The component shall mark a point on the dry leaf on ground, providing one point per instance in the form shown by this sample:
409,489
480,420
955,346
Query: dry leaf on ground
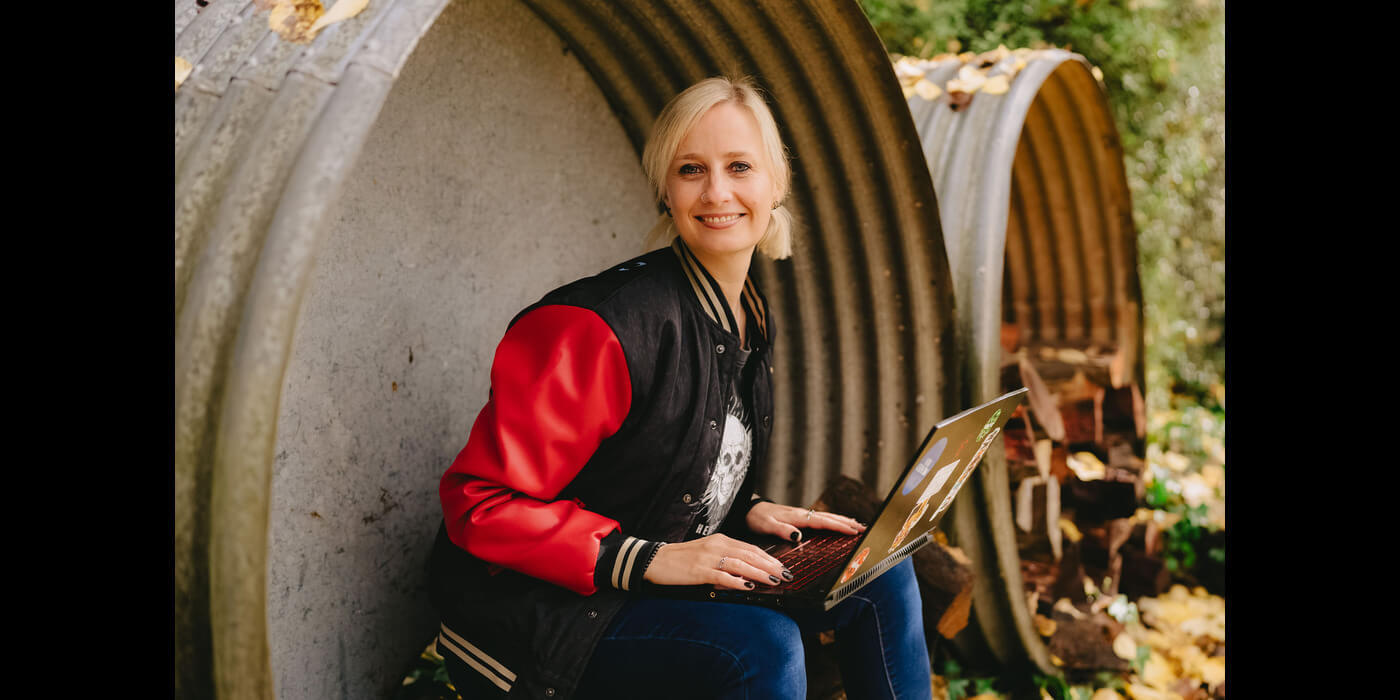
927,90
182,71
1106,694
996,85
341,11
292,19
1124,646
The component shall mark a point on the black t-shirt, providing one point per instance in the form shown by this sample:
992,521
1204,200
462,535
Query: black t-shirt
737,447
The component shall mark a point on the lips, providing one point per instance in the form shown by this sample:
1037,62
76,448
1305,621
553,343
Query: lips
718,219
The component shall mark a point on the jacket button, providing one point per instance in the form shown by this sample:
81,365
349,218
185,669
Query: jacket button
765,421
713,425
549,692
720,348
685,498
592,614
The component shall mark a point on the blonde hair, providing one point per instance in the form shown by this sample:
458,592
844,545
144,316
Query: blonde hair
676,120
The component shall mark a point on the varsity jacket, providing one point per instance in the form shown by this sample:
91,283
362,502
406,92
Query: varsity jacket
603,425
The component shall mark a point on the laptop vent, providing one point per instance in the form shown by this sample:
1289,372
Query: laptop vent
880,568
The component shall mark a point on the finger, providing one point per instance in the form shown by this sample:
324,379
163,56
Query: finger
726,580
780,527
771,569
739,567
825,521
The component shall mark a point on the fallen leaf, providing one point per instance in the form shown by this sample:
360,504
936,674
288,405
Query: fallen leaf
342,10
1044,625
1098,74
182,71
1157,672
971,77
927,90
908,90
1056,660
1086,466
1106,694
1137,691
1070,530
1063,605
1124,646
988,58
292,19
996,85
957,99
1212,670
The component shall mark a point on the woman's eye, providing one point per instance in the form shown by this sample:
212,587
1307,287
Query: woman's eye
740,166
689,169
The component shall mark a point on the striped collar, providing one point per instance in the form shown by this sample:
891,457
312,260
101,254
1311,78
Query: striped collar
711,299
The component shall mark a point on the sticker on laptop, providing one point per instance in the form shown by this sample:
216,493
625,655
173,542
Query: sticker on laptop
966,473
934,484
925,465
860,559
990,422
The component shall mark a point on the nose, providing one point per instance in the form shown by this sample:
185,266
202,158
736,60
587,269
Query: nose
716,188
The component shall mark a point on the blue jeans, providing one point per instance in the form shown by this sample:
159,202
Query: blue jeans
678,648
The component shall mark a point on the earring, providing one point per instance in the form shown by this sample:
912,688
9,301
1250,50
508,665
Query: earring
668,209
777,204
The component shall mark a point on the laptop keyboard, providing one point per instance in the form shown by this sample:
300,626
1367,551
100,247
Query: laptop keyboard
814,557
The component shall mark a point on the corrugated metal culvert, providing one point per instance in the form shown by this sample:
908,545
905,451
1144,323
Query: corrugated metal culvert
358,217
1037,220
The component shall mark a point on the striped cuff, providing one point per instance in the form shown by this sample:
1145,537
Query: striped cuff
622,560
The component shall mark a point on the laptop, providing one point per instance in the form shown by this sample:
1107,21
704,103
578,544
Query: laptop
828,566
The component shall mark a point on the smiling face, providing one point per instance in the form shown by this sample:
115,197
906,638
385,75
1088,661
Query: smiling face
719,185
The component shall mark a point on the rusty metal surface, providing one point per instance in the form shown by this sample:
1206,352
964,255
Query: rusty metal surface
1037,221
267,131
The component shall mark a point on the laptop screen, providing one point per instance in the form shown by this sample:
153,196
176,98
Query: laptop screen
921,496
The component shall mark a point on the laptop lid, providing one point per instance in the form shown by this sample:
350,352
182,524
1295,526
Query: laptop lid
921,495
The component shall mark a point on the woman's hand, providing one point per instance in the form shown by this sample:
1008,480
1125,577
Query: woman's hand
785,521
717,559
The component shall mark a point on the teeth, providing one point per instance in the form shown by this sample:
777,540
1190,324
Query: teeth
719,219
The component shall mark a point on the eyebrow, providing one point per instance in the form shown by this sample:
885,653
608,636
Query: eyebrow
731,154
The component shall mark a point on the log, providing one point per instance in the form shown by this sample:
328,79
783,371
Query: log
1098,500
1086,644
1142,574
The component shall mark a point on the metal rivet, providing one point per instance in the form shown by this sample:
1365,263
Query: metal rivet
765,421
719,348
549,692
713,425
592,614
685,498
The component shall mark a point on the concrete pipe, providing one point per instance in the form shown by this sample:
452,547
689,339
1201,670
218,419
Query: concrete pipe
1037,220
357,218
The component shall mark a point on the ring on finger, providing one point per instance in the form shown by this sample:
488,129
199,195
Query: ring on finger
809,513
721,562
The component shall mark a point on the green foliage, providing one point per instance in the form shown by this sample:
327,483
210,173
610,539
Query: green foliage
1163,64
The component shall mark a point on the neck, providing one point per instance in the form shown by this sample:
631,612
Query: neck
729,272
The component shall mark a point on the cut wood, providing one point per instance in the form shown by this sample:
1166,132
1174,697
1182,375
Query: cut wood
1099,500
1086,644
1044,406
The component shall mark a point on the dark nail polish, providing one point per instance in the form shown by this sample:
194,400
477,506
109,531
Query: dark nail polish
772,578
787,574
796,536
748,584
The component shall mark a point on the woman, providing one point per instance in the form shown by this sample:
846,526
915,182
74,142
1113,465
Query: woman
628,421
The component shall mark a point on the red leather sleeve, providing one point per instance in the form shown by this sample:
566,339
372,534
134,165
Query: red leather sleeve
559,386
